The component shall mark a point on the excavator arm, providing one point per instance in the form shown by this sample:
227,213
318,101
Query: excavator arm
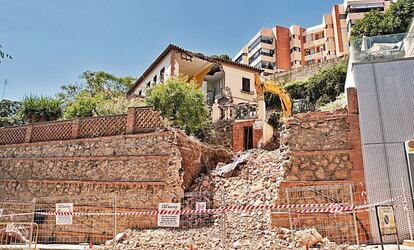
273,87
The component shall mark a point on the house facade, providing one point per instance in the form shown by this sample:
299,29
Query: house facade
218,79
228,86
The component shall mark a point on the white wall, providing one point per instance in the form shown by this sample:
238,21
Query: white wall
233,79
165,63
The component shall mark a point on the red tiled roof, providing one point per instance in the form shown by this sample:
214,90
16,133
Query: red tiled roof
171,47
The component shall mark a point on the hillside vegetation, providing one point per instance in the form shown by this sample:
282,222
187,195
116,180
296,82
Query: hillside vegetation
321,88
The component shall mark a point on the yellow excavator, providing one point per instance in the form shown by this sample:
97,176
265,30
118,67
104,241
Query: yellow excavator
275,88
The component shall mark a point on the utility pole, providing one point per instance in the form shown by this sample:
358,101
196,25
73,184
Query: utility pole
4,88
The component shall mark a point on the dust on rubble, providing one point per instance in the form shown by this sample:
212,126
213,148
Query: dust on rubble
253,181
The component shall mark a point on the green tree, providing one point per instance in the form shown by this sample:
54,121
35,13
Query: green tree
40,109
96,89
181,102
117,105
83,105
395,20
8,111
221,56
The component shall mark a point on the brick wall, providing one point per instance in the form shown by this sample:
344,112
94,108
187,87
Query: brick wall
238,134
283,48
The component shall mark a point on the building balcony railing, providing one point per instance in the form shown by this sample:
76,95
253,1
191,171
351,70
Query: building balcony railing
241,111
313,43
383,48
316,55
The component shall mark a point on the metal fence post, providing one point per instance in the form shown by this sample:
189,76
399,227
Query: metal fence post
351,194
33,222
290,216
407,213
115,215
223,221
34,210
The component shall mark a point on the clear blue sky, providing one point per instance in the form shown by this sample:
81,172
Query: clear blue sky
52,42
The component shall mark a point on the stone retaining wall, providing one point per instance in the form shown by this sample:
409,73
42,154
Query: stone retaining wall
140,170
325,149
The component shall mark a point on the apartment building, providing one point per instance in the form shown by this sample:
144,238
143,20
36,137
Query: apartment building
283,48
356,9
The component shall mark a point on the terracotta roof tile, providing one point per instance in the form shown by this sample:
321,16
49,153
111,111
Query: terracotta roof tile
171,47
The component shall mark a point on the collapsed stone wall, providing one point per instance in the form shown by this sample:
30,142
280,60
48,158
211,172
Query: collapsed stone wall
141,170
223,136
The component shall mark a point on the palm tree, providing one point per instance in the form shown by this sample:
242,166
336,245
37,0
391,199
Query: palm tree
40,108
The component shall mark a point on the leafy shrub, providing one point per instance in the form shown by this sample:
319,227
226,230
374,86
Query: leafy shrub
40,108
181,102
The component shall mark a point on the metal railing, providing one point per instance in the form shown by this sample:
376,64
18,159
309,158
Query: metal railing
18,235
383,48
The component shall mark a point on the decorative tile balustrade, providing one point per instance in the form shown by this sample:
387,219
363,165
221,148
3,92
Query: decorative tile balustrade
137,120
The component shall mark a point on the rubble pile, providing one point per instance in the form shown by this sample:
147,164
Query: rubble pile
250,180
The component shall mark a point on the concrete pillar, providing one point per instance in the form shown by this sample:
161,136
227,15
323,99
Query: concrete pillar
215,112
29,131
130,120
352,100
75,128
261,108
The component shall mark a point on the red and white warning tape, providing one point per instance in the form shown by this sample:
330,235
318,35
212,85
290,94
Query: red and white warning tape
300,208
205,211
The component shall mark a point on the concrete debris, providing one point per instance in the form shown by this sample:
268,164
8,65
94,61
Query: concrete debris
255,181
222,171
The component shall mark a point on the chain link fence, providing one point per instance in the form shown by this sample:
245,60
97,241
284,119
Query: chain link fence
336,214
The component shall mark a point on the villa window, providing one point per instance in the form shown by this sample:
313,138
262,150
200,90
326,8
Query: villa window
245,84
148,84
155,79
162,72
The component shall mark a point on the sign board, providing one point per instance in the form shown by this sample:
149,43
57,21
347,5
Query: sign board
169,220
1,212
201,206
386,220
64,208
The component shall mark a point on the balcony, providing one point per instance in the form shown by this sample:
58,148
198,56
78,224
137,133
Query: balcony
314,43
313,56
383,48
242,111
